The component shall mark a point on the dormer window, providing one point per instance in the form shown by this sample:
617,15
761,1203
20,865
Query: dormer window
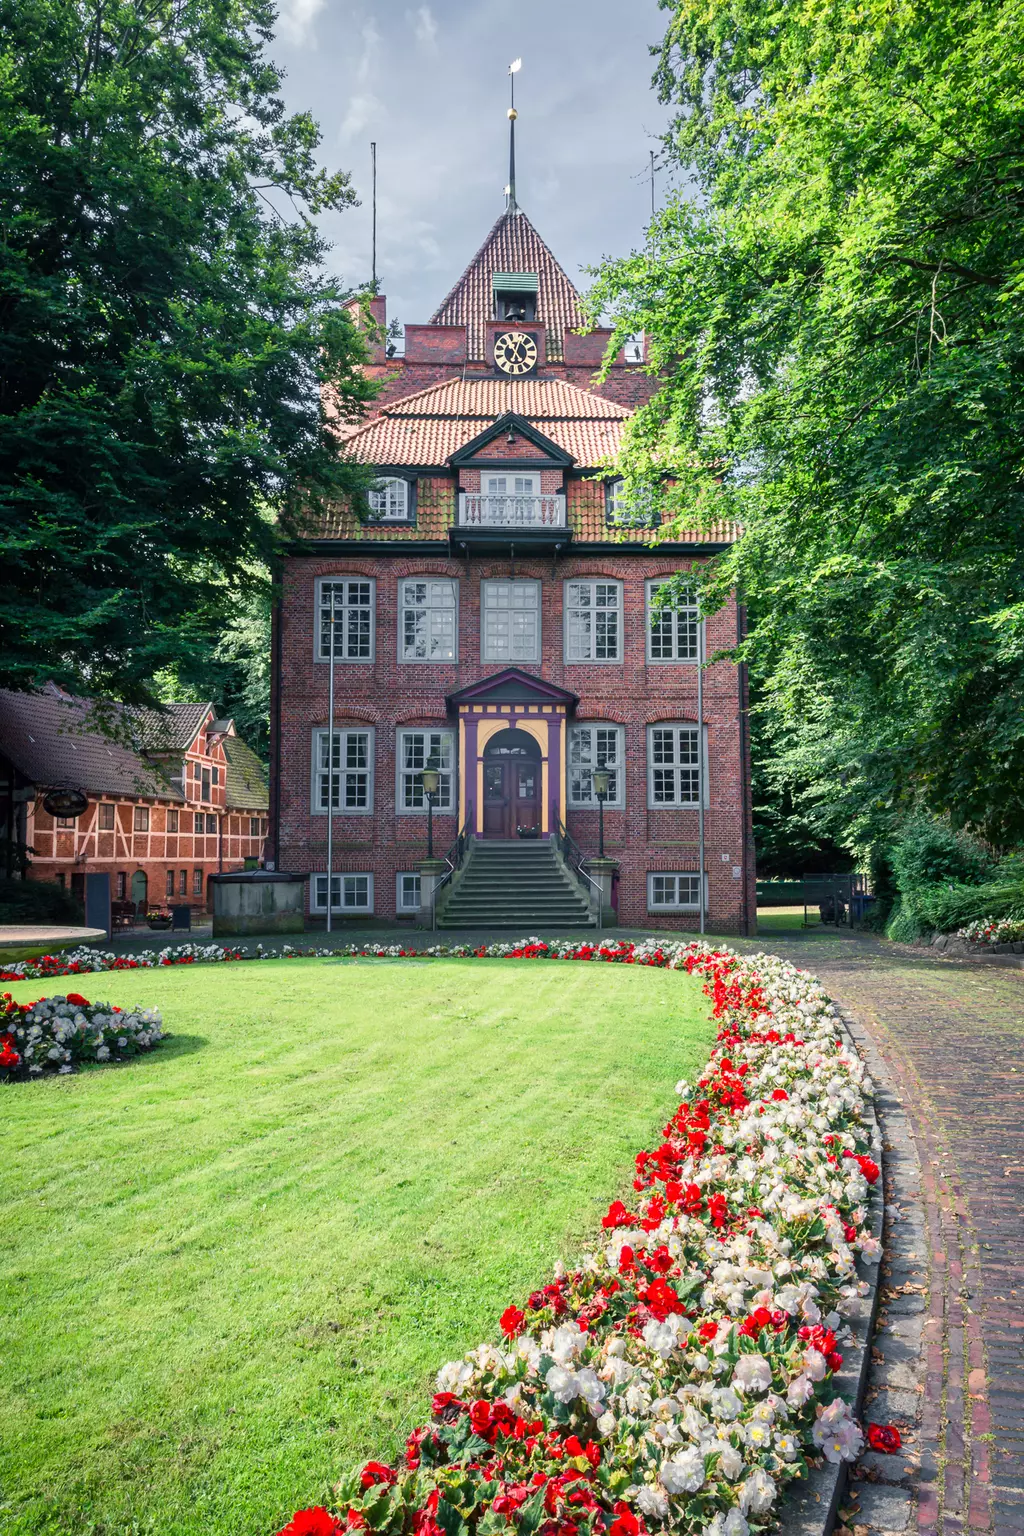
639,510
515,296
389,500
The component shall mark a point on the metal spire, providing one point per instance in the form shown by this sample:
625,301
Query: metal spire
510,191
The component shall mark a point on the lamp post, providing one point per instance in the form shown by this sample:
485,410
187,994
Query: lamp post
431,781
602,782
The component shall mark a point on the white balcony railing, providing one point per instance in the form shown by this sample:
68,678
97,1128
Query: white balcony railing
482,511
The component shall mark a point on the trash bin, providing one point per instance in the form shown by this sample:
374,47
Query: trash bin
181,917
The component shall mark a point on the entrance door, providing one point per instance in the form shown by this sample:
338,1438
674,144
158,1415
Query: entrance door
139,890
512,780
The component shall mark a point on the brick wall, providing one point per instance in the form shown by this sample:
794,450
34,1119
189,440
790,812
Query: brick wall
387,693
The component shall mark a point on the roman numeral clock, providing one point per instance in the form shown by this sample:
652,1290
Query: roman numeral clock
515,352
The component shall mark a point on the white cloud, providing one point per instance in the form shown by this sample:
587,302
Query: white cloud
425,28
364,105
295,20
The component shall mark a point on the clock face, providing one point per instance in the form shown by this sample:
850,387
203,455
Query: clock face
515,352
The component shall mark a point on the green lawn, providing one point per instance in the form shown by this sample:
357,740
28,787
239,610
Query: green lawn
230,1268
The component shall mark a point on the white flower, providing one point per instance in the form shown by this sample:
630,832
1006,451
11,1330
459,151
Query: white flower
752,1374
606,1424
566,1343
562,1384
815,1365
725,1404
799,1391
757,1494
662,1338
454,1375
837,1434
652,1503
735,1525
683,1473
588,1386
730,1461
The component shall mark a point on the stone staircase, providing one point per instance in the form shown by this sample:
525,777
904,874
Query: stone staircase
515,885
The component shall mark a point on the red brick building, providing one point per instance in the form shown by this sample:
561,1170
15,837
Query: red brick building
185,800
494,618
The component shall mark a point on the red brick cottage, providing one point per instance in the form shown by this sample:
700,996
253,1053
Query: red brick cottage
494,620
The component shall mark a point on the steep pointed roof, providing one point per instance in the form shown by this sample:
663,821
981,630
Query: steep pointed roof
513,245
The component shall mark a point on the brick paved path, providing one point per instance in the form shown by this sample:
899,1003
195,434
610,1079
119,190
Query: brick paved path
950,1357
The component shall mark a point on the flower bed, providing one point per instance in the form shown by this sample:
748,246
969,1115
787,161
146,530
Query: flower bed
993,930
58,1034
679,1375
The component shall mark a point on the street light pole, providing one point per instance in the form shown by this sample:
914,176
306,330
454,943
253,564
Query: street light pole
330,766
602,783
431,779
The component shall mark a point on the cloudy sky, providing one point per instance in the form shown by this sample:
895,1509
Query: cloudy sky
429,83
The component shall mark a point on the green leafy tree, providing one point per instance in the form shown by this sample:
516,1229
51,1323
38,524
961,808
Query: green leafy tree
835,298
167,326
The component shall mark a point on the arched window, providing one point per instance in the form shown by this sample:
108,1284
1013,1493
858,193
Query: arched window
389,500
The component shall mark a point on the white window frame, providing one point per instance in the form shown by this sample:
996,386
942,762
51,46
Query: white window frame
575,610
675,766
679,629
445,804
343,884
623,513
320,771
346,634
490,589
595,757
430,608
498,485
390,500
401,905
692,878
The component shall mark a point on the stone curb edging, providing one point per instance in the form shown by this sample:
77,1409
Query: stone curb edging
812,1506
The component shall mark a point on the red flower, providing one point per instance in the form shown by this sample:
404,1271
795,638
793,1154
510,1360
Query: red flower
447,1407
618,1216
512,1320
78,1000
626,1523
376,1472
480,1417
884,1437
778,1094
9,1057
706,1332
312,1522
661,1299
869,1168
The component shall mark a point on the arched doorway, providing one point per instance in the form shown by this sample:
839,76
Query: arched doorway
512,784
139,890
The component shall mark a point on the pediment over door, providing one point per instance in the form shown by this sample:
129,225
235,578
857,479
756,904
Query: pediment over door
513,686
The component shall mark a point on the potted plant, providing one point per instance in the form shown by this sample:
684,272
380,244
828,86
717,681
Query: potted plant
526,832
159,917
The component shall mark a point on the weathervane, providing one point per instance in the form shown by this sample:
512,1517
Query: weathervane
510,190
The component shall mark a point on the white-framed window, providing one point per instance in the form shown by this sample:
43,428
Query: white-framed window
672,633
673,766
352,600
596,746
427,617
349,893
141,822
407,892
106,818
673,892
389,500
593,621
352,772
510,620
417,750
511,485
636,510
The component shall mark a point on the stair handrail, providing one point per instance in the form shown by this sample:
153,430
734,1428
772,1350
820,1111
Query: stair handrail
574,857
454,859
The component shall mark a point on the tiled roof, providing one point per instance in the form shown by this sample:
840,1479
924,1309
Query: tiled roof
50,742
425,429
246,779
513,245
173,728
485,399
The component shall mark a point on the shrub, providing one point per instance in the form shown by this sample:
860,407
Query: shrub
37,901
929,852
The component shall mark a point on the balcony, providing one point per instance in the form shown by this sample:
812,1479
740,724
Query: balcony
529,514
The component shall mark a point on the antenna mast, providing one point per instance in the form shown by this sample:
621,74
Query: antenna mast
373,180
